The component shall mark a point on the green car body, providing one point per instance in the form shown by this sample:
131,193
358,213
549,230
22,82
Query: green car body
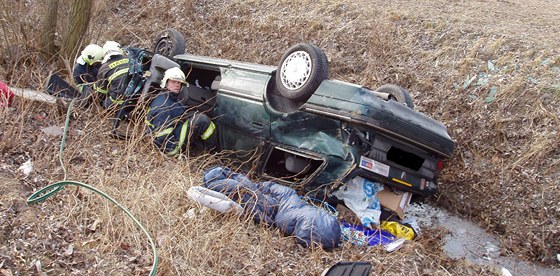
312,140
341,131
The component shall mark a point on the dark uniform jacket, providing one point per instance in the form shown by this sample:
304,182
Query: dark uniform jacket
85,73
173,125
111,79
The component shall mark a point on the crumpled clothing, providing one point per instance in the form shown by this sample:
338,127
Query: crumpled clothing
277,205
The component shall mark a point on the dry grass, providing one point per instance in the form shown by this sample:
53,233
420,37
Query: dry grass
507,149
78,232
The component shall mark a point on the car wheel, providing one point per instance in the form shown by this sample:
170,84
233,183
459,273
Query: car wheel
400,94
300,71
169,42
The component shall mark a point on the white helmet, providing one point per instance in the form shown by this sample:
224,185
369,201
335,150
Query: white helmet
92,53
111,48
174,73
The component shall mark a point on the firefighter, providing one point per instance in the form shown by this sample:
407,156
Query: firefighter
111,79
173,125
85,71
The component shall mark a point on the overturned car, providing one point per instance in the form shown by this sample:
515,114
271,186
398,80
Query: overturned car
292,124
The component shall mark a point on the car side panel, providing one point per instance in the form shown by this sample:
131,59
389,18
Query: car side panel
242,121
319,134
308,131
354,103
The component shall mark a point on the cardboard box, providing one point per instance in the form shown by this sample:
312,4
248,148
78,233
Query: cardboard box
395,201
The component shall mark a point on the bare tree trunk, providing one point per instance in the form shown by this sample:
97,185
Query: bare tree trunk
80,14
48,31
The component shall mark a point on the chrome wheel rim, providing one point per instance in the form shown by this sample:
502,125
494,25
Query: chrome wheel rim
296,70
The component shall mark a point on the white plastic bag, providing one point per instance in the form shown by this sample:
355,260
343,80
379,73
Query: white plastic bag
359,194
26,167
214,200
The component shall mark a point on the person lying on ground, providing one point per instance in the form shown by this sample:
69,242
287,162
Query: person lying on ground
174,126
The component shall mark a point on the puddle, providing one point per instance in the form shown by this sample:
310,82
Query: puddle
467,240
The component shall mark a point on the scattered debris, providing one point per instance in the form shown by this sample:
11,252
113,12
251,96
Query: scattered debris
394,245
225,191
26,167
491,66
214,200
363,236
394,200
53,131
190,214
482,79
398,230
359,194
34,95
348,269
69,250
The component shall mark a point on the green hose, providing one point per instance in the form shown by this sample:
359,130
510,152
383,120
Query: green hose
52,189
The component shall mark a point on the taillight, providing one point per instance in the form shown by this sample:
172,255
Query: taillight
439,165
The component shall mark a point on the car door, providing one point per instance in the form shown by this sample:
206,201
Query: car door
243,123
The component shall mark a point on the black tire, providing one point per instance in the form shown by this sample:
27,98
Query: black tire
301,83
169,42
399,93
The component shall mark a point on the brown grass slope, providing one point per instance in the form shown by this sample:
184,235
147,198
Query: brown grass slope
451,55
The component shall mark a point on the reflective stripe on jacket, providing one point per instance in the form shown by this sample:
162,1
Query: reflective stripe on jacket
173,128
163,120
111,77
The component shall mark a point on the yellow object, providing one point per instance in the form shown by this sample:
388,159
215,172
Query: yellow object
402,182
398,229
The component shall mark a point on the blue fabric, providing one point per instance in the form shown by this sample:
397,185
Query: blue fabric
360,235
85,73
164,111
167,111
240,189
274,204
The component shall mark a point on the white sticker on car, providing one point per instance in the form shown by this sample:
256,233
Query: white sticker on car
374,166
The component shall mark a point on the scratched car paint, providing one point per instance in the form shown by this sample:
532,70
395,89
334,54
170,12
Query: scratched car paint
291,124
